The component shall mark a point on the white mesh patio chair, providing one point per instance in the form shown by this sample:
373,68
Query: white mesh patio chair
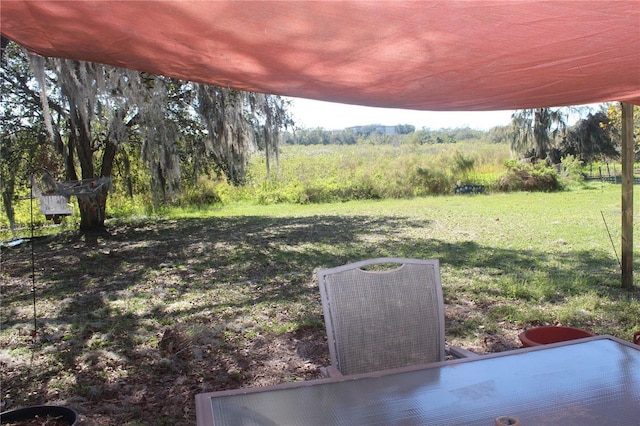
379,318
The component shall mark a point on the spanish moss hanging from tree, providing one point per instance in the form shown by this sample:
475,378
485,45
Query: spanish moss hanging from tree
91,111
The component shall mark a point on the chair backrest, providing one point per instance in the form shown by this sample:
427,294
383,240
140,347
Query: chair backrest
378,319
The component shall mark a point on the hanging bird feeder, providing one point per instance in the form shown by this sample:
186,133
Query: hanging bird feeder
55,207
54,196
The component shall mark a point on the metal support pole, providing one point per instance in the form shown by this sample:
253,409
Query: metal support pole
627,196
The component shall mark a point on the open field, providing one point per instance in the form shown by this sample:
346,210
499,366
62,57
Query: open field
312,174
133,323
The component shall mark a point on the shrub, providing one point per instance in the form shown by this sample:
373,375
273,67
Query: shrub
123,206
204,193
528,177
571,171
435,181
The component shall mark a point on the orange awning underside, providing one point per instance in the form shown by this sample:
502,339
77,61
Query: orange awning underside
435,55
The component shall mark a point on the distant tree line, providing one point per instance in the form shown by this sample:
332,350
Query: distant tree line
376,134
540,134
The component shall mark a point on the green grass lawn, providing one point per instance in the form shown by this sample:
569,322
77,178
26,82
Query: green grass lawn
541,254
133,324
510,260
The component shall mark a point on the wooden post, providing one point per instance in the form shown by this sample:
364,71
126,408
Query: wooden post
627,196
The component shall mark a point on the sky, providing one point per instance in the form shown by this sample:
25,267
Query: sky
309,113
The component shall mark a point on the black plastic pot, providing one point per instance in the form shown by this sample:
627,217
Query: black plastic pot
29,413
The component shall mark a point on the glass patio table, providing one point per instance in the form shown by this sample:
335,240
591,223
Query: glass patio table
591,381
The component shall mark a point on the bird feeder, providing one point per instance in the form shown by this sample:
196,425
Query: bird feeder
55,207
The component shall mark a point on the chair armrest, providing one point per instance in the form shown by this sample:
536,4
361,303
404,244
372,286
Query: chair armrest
457,352
330,371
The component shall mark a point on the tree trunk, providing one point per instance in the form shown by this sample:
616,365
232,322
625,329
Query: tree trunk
8,205
7,186
127,172
92,210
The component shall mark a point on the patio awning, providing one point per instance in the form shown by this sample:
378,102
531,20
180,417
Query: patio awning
435,55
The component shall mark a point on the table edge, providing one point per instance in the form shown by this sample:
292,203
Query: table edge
204,414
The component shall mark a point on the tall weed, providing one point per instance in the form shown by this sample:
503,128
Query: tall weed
328,173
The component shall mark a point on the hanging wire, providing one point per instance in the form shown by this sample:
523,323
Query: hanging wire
611,239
